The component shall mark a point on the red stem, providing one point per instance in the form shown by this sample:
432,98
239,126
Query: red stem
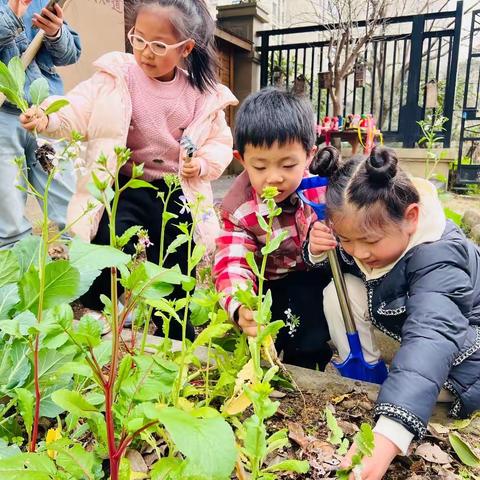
109,386
33,444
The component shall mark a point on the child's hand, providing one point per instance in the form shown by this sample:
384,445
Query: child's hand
246,321
191,168
34,119
374,467
49,22
321,239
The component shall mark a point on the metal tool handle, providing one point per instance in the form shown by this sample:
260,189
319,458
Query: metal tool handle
341,289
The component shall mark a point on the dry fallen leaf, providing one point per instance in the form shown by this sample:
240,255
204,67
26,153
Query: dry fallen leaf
296,433
438,429
137,463
433,453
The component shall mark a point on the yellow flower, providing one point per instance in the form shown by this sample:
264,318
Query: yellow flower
53,434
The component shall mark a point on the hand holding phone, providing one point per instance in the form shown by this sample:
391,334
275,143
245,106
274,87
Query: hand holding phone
50,19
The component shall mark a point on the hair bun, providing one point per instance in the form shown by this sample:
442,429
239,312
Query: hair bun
326,162
381,166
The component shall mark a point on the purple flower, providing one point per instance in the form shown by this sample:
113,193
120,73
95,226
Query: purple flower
184,205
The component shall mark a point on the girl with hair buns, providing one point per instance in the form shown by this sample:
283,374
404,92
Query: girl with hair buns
412,274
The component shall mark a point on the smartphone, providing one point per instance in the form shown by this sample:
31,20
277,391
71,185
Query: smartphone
51,4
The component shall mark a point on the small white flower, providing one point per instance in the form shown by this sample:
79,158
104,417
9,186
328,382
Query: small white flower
184,204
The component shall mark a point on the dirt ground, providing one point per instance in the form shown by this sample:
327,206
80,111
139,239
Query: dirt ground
433,458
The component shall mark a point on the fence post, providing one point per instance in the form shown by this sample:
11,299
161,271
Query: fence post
409,114
450,89
264,59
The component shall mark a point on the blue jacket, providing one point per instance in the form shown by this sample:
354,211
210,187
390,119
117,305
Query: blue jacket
430,302
16,34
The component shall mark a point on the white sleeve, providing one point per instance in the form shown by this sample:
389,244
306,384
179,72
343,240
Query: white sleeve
316,258
395,432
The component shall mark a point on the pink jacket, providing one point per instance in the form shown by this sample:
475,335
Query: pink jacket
100,109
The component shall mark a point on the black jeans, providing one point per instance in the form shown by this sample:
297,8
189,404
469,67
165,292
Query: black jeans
301,293
141,206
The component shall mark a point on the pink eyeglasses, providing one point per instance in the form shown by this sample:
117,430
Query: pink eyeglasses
157,47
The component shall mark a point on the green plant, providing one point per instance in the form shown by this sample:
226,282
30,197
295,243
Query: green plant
12,84
254,385
364,442
431,127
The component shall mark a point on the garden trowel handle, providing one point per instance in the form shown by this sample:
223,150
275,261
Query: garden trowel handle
31,52
341,289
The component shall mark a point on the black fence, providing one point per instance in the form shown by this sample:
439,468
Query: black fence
468,168
413,55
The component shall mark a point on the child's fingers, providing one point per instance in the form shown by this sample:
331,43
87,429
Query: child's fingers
321,227
323,238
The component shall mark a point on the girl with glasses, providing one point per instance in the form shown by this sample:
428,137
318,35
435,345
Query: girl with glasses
151,102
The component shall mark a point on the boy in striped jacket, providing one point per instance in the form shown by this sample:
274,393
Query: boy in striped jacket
275,142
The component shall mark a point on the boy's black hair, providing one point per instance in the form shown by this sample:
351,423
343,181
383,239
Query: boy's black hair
272,115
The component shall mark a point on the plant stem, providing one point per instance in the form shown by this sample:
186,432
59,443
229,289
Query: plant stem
178,386
110,385
41,267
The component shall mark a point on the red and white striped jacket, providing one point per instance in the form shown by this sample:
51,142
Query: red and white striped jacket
241,233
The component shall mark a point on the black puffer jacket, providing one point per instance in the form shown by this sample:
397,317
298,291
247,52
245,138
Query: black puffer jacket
430,302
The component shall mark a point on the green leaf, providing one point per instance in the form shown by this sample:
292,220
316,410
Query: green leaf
15,99
39,90
135,183
27,251
20,325
9,268
453,216
91,259
152,378
464,451
8,299
125,471
73,459
275,243
212,331
197,255
262,222
180,240
8,450
250,257
74,403
343,448
365,440
20,367
6,78
167,468
255,437
296,466
31,466
200,440
15,66
336,433
127,236
56,106
26,402
61,285
271,329
89,331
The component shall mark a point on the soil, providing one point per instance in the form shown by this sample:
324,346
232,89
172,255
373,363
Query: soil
308,434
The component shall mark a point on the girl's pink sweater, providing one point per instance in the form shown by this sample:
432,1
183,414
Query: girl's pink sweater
161,111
